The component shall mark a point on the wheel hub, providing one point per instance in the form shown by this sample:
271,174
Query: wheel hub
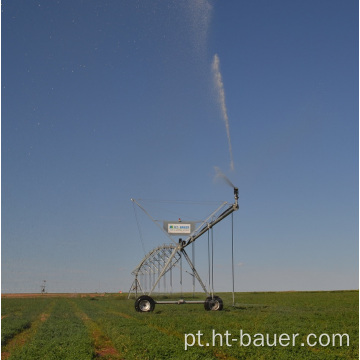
144,305
215,305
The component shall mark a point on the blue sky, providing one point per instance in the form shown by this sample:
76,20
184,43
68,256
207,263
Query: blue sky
103,101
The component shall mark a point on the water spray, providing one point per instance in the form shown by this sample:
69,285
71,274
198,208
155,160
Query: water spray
220,174
221,97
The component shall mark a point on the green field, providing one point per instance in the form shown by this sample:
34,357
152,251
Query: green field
108,327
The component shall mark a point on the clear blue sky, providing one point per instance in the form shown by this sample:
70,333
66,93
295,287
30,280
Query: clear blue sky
107,100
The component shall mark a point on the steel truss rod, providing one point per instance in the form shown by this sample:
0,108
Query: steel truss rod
194,270
152,262
138,284
176,249
134,286
222,216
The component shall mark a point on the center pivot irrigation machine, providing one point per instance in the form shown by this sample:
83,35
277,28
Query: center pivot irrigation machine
162,260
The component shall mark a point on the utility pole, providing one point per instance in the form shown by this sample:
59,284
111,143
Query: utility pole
43,287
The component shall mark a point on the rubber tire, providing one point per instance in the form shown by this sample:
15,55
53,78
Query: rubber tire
144,303
215,304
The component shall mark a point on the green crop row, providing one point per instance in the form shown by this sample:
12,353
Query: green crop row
130,333
19,314
61,336
160,335
68,333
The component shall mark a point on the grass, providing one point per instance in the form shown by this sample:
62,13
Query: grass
108,327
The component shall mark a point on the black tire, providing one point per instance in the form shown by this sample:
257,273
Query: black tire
213,304
144,303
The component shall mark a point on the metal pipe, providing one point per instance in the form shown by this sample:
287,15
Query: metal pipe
180,302
222,216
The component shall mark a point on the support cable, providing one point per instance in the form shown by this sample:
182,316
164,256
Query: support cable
139,229
232,258
212,262
153,220
171,288
209,265
181,284
193,261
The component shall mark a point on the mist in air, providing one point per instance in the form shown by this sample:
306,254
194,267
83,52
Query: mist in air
220,175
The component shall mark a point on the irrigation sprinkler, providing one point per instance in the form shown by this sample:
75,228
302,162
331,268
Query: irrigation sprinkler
161,261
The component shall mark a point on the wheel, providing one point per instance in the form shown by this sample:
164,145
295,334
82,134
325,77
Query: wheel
144,303
213,304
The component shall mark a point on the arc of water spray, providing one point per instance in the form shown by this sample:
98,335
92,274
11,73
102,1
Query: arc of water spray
220,174
221,97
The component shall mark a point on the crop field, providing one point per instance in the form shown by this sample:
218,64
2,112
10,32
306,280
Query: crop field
287,325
